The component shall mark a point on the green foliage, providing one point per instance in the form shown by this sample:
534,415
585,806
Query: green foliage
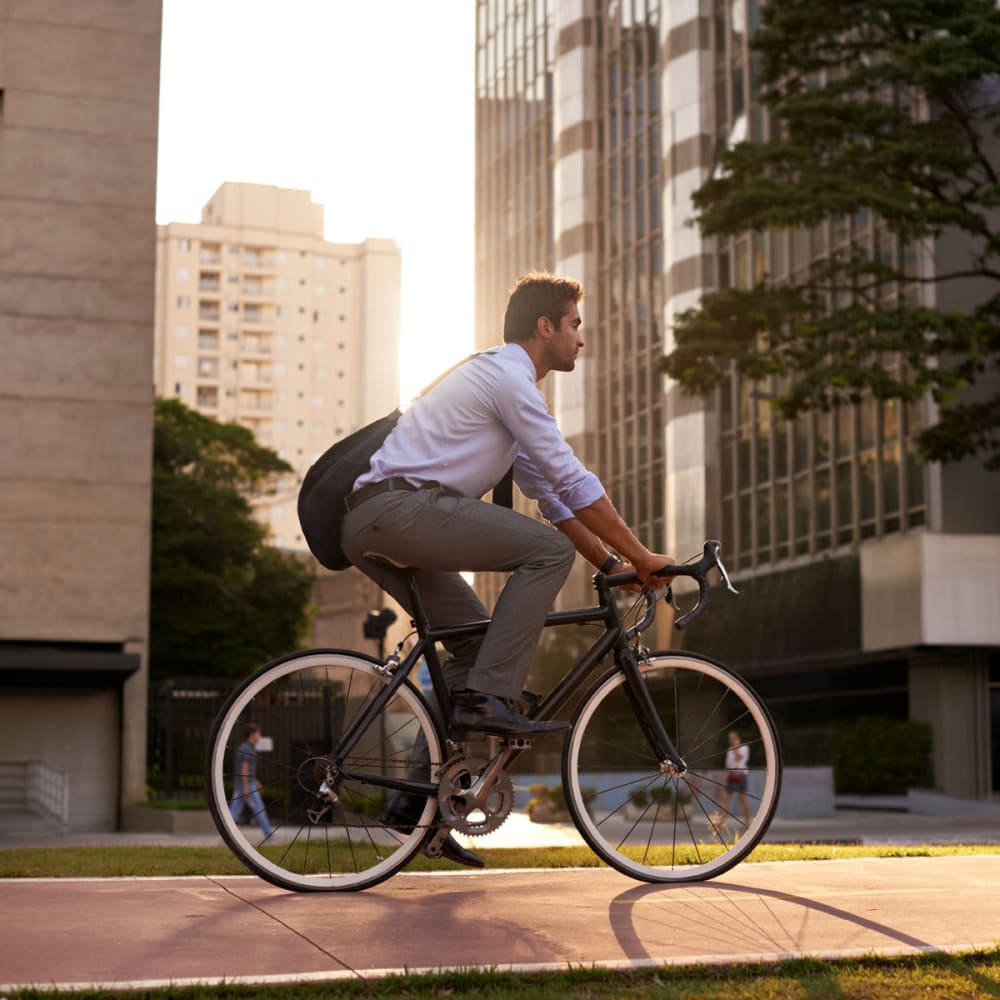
222,600
847,88
879,756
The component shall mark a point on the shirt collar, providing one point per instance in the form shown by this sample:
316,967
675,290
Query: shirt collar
521,357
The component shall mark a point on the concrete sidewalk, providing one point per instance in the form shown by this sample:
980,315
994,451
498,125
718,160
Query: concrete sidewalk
143,933
846,826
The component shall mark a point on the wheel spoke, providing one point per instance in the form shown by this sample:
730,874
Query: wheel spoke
660,828
326,834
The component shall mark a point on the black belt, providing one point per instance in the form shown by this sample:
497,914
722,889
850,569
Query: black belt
382,486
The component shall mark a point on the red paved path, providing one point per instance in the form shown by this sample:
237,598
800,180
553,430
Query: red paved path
149,931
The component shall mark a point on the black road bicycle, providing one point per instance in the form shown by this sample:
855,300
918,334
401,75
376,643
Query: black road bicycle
644,767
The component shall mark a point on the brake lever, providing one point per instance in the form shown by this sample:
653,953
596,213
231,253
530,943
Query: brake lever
725,576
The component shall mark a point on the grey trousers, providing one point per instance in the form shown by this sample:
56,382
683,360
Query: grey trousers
441,534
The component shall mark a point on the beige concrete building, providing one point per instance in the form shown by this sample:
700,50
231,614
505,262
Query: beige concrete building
870,579
79,87
263,322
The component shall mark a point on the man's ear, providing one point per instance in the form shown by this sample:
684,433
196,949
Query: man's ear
544,328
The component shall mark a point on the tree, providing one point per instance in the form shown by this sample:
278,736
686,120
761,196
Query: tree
890,108
222,601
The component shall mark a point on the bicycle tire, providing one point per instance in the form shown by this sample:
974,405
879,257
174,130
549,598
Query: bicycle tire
658,828
303,702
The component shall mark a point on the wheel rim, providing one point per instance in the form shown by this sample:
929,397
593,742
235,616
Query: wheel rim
303,704
653,826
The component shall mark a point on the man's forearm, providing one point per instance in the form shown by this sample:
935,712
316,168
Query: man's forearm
603,521
587,543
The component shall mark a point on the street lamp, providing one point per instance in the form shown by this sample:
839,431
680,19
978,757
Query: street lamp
375,626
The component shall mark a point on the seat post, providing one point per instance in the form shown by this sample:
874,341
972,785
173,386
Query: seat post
419,614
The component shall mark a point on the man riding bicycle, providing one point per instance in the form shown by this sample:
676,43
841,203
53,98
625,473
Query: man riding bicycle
419,506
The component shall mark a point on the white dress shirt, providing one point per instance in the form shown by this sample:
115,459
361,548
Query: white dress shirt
468,430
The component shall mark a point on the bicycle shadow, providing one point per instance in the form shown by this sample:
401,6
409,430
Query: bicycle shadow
744,922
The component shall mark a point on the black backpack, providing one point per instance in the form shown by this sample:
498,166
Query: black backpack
330,480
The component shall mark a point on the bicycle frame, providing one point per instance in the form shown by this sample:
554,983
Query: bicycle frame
613,637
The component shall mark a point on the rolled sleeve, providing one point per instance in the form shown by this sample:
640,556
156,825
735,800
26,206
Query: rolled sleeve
546,469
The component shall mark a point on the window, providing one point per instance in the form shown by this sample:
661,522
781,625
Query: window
181,361
181,330
208,396
183,301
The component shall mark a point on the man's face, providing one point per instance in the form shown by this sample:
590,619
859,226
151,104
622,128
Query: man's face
566,341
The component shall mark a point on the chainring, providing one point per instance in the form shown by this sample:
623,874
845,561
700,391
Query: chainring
456,777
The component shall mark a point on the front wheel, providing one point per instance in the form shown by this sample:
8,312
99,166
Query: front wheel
659,827
311,826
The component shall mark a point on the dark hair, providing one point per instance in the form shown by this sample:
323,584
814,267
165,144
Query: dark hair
251,728
534,295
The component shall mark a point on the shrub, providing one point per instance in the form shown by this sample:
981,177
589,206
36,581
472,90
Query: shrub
880,756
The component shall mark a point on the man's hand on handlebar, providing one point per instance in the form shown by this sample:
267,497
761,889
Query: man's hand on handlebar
647,567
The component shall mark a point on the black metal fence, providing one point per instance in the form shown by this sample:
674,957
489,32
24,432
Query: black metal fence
181,713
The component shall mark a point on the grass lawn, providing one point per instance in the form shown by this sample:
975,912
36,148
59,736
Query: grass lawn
927,977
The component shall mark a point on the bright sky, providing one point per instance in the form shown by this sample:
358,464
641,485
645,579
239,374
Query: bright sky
369,105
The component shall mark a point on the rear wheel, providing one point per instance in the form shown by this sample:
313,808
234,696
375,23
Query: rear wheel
326,833
661,828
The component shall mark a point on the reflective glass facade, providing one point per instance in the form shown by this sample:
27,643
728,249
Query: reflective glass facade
629,340
828,479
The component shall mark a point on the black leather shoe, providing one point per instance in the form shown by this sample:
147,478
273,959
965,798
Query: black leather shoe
402,812
476,712
452,850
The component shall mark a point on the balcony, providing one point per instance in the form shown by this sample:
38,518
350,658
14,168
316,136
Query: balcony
208,312
256,345
209,283
255,316
254,288
258,261
210,257
256,402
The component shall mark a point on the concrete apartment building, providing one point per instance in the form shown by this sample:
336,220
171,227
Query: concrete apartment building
870,579
79,90
262,322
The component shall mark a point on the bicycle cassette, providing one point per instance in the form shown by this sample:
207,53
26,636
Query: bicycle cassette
474,819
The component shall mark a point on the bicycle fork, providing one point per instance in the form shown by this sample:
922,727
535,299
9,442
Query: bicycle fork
672,765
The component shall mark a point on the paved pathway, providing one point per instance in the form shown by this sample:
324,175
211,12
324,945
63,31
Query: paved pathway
147,932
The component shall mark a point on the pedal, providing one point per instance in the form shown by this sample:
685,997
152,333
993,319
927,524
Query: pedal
515,743
433,846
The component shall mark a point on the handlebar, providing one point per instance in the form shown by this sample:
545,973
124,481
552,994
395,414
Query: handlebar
698,571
